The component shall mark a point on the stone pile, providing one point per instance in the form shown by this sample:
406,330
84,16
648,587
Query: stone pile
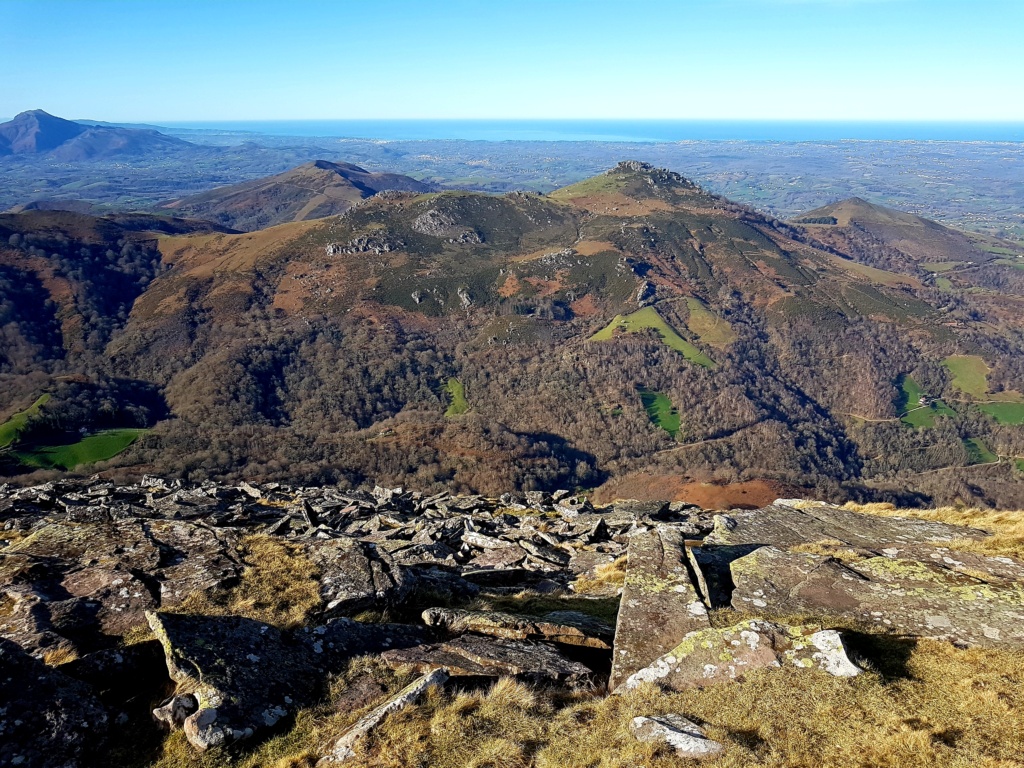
87,568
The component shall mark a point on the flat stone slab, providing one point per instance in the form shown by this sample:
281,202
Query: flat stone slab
956,601
683,735
356,575
337,641
565,627
713,655
46,718
475,656
785,526
659,604
83,585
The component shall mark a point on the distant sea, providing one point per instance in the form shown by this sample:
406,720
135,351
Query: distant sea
616,130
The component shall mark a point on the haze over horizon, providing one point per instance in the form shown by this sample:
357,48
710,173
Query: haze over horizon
814,60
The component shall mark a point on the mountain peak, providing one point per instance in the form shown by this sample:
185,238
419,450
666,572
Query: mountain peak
36,131
312,190
327,165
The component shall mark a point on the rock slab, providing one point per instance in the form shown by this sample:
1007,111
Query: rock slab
716,655
659,604
960,597
47,720
564,627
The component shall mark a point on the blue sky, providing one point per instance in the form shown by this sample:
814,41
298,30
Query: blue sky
158,60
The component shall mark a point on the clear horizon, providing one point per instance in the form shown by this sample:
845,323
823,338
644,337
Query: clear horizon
867,61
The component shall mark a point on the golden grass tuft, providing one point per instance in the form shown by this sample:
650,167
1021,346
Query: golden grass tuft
279,586
60,655
1006,526
607,578
832,548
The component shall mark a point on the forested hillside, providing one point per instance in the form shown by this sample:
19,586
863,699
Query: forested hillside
627,329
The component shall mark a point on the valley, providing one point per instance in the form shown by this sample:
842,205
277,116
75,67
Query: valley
482,342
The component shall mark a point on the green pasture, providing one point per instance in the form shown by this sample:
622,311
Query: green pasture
648,317
457,393
661,411
99,447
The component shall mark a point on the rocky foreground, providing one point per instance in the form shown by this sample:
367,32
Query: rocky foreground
223,611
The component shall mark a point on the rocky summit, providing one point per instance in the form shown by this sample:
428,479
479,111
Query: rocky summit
222,612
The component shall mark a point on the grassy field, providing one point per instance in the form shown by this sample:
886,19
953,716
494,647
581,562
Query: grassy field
99,447
910,394
909,406
1005,413
596,185
925,417
874,274
970,374
940,266
978,452
457,392
648,317
11,428
707,325
661,411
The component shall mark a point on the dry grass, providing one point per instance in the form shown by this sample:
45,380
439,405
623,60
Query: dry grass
607,578
1006,526
921,705
60,655
278,586
832,548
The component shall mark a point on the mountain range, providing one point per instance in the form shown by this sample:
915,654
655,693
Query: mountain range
632,333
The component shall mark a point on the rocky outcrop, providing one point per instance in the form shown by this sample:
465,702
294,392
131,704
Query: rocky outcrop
88,565
938,596
47,720
712,655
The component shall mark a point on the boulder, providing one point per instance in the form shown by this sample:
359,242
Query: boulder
684,736
565,627
245,675
659,602
969,605
47,720
710,656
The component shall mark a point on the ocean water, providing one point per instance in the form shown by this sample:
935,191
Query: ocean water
617,130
